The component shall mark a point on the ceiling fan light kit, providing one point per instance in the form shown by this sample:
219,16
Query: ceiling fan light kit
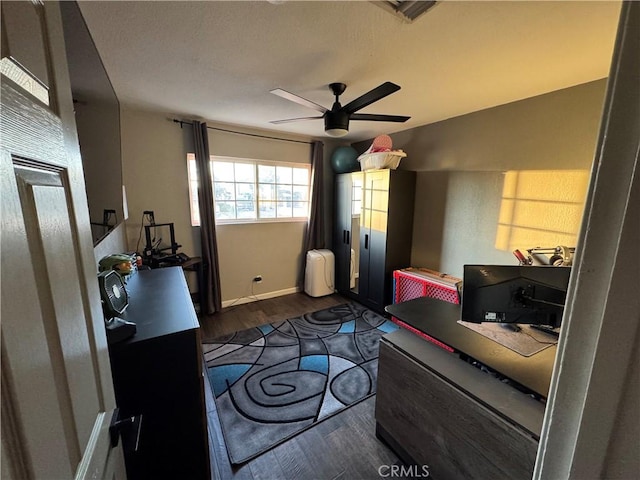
336,132
336,120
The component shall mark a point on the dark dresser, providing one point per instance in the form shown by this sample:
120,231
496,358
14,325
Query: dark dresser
158,374
435,409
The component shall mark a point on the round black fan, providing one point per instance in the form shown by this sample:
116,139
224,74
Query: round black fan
336,120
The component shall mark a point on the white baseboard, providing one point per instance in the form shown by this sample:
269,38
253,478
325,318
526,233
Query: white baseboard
260,296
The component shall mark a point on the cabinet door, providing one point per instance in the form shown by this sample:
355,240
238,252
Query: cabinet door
346,244
355,222
373,236
340,245
341,248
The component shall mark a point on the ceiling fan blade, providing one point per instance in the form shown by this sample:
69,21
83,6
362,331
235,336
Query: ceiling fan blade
387,88
299,100
379,118
290,120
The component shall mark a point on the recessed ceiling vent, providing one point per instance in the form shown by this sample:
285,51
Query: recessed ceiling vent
408,10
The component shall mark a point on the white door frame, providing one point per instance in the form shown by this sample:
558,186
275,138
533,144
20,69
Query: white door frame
592,427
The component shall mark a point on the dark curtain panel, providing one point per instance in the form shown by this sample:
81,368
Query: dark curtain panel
212,298
315,227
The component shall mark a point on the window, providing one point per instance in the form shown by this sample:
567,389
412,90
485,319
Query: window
248,191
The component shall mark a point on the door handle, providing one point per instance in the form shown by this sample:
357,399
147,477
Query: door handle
344,236
348,237
366,241
128,428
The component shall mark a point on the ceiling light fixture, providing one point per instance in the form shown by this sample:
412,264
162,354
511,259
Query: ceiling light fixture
336,132
336,122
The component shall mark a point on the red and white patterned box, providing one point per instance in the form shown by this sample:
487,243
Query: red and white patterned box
410,283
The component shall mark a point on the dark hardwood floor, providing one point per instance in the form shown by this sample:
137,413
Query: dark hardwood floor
247,315
341,447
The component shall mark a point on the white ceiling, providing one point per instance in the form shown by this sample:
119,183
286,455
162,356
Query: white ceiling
218,60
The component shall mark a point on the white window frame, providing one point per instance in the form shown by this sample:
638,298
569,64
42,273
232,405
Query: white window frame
193,190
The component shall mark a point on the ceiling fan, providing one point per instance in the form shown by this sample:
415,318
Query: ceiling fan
336,120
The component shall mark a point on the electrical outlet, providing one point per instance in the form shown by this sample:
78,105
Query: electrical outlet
257,278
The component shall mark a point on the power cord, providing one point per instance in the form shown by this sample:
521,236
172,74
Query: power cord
151,220
140,234
542,342
253,296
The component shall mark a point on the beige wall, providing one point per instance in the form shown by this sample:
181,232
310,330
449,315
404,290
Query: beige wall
461,161
471,217
99,136
155,175
97,112
273,250
556,130
115,242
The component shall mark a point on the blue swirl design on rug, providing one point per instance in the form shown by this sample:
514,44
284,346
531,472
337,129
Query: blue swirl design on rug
274,381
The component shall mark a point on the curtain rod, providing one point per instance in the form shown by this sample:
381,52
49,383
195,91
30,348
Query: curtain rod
181,122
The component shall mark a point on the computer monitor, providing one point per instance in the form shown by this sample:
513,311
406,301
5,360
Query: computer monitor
514,294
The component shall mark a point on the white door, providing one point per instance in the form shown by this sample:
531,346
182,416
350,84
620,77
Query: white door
57,393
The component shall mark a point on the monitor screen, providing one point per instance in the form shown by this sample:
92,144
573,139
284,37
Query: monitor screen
514,294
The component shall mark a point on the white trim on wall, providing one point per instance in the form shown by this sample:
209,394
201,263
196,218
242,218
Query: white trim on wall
260,296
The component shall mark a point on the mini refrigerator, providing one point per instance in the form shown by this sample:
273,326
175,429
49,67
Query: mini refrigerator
319,273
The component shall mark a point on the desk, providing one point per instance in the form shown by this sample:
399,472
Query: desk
194,264
438,319
434,409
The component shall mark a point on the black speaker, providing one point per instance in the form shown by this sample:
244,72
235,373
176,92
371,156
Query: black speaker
113,293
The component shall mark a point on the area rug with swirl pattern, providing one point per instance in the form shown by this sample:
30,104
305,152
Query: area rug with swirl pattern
273,381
